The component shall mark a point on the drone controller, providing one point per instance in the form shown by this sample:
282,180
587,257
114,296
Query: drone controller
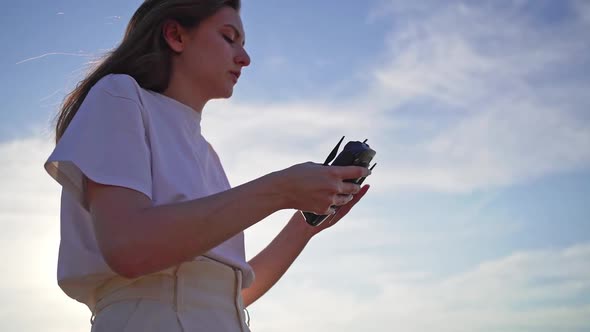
354,154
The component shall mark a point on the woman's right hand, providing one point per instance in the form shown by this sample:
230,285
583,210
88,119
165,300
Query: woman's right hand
312,187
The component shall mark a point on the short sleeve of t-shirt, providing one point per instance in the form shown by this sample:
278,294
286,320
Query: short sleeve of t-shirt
106,142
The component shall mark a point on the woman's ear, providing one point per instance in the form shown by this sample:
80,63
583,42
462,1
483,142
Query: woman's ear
175,35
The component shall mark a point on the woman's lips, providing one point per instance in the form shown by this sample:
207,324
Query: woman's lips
236,75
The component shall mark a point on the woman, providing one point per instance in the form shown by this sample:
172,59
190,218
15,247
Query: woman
151,231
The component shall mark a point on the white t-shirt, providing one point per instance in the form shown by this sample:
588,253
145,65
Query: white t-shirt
127,136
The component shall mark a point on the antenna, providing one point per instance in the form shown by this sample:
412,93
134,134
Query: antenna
333,153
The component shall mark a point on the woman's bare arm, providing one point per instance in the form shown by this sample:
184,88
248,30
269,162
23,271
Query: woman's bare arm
273,261
137,238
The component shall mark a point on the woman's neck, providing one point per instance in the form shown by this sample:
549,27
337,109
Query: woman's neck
180,89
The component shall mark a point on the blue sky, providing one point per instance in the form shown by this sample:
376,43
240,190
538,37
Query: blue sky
478,216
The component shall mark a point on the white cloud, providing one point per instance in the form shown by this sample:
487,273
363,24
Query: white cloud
582,8
508,125
332,287
526,291
276,61
29,217
266,138
491,69
467,97
498,146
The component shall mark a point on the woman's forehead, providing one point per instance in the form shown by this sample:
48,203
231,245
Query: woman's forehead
228,16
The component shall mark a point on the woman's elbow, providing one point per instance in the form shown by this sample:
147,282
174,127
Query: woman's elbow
122,264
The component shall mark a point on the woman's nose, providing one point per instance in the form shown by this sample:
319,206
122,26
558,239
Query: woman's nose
243,59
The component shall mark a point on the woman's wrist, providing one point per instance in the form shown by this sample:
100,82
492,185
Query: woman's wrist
300,226
278,189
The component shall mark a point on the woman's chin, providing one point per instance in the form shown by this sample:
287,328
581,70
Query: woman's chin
222,93
226,94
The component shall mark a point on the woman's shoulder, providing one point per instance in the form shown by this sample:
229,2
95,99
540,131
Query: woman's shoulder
120,85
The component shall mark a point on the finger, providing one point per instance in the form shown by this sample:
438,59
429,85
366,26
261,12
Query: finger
350,172
360,194
331,211
342,199
356,198
343,210
348,188
362,191
331,220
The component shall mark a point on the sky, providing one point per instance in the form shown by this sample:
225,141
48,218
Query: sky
478,216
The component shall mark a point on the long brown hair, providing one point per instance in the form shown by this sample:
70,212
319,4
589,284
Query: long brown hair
143,53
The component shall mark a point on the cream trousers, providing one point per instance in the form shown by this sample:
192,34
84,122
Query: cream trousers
200,295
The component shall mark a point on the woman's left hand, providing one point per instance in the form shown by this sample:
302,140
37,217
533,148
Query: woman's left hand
341,211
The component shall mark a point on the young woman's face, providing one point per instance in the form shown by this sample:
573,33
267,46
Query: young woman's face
215,55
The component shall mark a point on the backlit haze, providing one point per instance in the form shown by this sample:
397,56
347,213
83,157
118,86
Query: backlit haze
478,216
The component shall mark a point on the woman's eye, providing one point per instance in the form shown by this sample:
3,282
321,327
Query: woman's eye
228,39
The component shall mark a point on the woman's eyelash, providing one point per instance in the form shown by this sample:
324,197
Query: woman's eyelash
228,39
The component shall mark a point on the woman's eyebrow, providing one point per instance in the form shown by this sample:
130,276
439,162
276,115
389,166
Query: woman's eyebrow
238,34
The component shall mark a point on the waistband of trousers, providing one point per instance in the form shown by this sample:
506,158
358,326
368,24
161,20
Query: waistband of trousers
206,277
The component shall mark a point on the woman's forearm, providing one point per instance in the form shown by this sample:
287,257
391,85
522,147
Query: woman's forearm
272,262
162,236
137,238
